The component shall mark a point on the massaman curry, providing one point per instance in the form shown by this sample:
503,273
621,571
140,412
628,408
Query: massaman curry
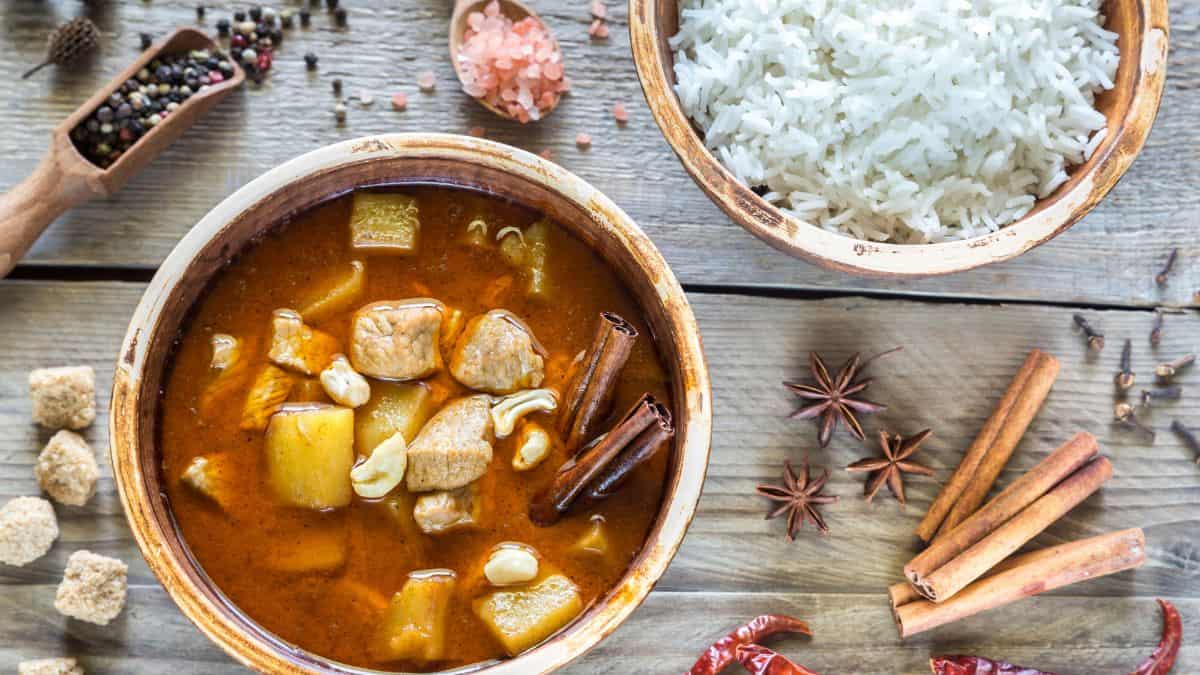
415,428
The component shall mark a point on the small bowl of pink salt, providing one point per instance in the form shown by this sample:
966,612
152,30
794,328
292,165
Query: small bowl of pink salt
507,59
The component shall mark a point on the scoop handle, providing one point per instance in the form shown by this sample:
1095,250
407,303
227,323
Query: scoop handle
31,205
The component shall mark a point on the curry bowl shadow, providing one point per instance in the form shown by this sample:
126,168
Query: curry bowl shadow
314,178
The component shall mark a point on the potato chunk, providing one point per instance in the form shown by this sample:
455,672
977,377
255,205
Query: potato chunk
337,294
385,222
524,616
310,450
414,626
297,347
397,340
308,551
270,390
448,510
394,407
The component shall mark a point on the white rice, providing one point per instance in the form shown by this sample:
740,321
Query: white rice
897,120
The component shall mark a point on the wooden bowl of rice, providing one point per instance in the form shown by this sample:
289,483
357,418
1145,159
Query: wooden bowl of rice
1129,109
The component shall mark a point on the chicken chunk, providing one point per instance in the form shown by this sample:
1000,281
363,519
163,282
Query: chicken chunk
448,510
497,353
453,448
297,347
397,340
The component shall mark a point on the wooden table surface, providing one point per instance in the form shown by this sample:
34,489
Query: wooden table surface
760,313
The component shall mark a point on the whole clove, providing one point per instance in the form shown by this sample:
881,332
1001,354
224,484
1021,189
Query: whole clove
1161,277
1166,371
1095,339
1156,329
1124,415
1171,393
1125,378
1188,437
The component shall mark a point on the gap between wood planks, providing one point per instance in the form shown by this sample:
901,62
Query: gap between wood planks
93,273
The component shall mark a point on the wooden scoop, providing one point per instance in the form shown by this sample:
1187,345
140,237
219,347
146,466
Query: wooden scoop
65,178
513,9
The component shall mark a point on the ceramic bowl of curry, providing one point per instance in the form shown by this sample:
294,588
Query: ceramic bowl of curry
411,403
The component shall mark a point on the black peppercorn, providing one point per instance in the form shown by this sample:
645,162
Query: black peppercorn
239,17
256,13
310,60
337,86
223,27
287,18
305,17
146,39
340,17
331,4
200,12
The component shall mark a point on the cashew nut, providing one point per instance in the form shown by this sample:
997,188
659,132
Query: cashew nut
344,384
507,411
380,473
511,563
533,446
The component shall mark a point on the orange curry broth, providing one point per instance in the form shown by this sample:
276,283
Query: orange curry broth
335,614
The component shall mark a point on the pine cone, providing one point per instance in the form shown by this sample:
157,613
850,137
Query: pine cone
68,43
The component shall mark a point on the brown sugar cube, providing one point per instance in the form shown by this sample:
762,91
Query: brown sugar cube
67,469
93,588
63,398
28,529
50,667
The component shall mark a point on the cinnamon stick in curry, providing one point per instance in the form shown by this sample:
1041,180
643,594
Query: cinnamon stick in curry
1060,464
1028,575
639,432
645,446
942,583
991,449
588,396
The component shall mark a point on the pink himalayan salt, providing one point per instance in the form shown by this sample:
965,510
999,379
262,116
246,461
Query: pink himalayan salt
619,112
515,67
598,30
477,132
399,101
599,10
583,140
427,81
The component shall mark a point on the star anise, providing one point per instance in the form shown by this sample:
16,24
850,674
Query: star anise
834,398
798,498
893,465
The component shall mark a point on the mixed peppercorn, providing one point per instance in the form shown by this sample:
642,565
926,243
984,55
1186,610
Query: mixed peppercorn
142,102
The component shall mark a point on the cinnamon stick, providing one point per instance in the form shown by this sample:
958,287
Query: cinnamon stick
588,396
1025,576
1060,464
948,579
990,450
639,451
639,431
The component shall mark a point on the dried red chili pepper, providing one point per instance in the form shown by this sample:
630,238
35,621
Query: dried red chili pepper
977,665
1163,658
762,661
723,652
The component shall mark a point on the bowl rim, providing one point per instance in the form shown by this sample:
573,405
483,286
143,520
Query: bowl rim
876,259
183,579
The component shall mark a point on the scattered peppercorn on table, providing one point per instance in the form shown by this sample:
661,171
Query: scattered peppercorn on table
760,314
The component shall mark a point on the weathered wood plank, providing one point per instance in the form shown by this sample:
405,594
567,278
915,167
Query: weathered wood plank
957,358
1110,258
1089,635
